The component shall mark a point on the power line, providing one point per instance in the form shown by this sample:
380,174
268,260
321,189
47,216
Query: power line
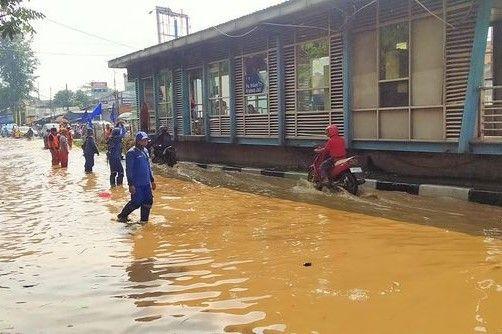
88,33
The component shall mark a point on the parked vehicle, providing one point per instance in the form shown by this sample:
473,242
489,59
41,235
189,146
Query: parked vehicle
346,173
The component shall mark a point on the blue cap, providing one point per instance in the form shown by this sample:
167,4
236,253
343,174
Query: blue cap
141,135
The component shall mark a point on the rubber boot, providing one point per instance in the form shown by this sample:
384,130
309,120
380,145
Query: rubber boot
145,213
126,211
112,179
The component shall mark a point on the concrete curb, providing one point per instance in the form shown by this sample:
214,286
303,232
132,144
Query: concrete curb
427,190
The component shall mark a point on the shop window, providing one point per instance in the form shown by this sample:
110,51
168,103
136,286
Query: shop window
394,65
256,84
313,79
164,95
219,89
196,108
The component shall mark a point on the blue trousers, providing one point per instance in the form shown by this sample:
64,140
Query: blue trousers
116,171
142,198
89,162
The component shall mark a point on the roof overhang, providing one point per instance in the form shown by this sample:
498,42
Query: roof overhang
246,22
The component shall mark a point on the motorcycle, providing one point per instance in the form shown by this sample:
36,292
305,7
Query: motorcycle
164,155
345,173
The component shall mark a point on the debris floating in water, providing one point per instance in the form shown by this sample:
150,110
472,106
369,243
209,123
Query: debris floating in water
307,264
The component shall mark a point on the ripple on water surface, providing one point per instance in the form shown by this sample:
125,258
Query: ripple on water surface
228,252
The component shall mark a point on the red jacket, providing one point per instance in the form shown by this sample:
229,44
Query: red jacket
335,144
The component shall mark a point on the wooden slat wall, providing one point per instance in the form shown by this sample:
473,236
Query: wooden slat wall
336,54
239,96
290,90
459,42
273,101
178,100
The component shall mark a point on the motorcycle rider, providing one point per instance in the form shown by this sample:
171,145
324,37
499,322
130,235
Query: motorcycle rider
334,149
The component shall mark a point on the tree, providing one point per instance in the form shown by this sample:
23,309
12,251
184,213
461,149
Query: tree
15,18
17,64
81,99
64,98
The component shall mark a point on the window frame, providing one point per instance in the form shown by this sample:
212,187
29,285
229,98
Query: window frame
220,96
189,72
410,18
169,92
257,97
327,88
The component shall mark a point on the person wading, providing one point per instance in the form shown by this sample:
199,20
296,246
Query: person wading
140,180
90,148
64,148
53,143
114,155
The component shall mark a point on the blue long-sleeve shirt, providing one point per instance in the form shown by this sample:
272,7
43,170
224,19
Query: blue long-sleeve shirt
138,170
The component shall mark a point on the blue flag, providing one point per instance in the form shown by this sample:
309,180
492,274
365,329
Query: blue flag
87,118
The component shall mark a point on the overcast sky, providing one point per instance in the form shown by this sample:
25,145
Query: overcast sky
70,57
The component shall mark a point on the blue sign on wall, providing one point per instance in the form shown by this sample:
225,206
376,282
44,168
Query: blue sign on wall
254,84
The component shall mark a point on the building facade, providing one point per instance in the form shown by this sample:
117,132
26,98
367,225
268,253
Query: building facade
393,75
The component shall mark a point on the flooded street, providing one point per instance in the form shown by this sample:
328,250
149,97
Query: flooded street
236,253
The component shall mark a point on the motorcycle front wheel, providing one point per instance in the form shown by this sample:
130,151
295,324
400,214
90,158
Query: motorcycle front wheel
348,182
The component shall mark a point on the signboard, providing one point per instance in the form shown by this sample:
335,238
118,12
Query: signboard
254,84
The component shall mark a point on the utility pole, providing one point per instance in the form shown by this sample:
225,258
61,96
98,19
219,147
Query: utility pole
67,98
50,101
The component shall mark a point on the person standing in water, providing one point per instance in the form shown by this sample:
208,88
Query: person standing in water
114,155
53,144
90,148
64,148
140,180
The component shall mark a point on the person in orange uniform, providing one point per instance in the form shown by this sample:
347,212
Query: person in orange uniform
335,149
53,143
64,148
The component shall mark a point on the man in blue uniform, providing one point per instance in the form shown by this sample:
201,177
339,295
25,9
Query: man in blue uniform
140,180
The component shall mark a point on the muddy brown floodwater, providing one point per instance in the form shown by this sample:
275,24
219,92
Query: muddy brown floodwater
236,253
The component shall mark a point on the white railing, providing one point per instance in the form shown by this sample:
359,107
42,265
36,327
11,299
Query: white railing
490,120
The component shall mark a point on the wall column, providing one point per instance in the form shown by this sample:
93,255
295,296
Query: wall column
233,117
186,101
476,73
281,101
347,89
205,101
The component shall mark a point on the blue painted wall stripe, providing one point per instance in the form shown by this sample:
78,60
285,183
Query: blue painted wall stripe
475,80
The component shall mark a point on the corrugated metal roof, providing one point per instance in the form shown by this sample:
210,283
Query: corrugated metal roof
244,22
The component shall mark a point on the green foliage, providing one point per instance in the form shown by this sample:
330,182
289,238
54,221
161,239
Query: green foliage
81,99
17,64
15,19
63,98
